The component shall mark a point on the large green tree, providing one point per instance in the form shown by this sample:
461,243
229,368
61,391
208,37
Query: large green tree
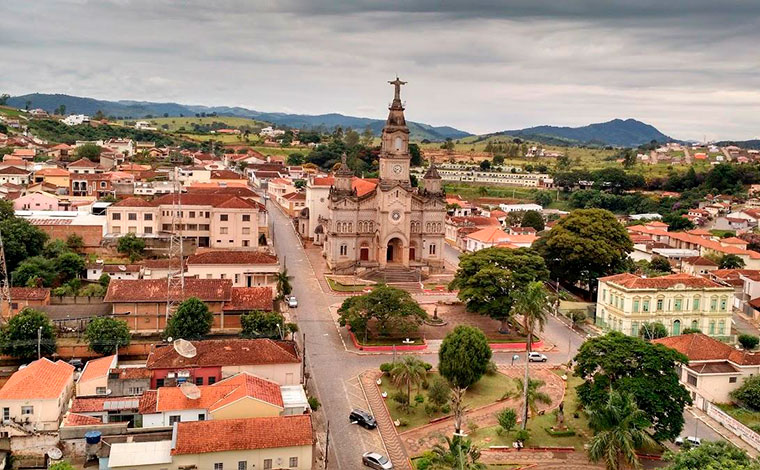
258,324
533,219
192,320
131,246
718,455
390,308
459,453
89,151
408,372
34,271
645,370
462,360
748,393
489,279
620,428
731,262
69,266
105,335
586,245
21,240
19,335
283,284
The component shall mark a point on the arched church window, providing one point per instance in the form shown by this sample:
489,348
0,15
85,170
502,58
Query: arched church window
399,143
350,227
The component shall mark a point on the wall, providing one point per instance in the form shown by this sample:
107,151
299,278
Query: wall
283,374
261,274
92,235
254,458
203,372
154,420
746,434
247,408
89,387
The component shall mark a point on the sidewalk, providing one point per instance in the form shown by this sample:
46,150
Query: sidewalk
725,433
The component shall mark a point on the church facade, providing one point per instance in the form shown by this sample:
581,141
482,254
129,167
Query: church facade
392,225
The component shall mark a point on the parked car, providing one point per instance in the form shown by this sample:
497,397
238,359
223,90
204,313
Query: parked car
362,418
537,357
77,363
694,441
376,461
292,301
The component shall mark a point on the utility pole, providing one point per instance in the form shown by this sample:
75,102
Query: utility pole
5,282
39,343
303,361
327,444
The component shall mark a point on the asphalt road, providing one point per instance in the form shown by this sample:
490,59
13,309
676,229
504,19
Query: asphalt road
334,370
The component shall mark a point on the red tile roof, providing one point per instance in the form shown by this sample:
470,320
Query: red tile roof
699,261
83,163
245,299
96,368
52,172
200,437
131,373
98,404
74,419
12,170
248,385
154,290
29,293
631,281
700,347
225,175
42,379
133,202
231,257
225,352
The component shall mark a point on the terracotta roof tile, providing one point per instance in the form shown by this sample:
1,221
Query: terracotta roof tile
245,299
42,379
97,404
225,352
699,261
154,290
248,385
131,373
231,257
133,202
96,368
200,437
12,170
631,281
83,163
29,293
148,402
74,419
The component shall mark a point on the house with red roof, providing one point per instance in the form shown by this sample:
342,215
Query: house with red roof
245,268
627,302
457,228
250,443
214,360
495,236
23,297
94,377
714,370
35,397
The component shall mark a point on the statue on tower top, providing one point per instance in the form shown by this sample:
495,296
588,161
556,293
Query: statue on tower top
397,83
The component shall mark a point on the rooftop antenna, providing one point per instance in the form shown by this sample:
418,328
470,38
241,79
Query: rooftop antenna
175,279
185,348
190,390
5,285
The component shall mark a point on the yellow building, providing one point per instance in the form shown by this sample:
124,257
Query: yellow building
678,301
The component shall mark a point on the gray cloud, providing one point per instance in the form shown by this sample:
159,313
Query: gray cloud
689,67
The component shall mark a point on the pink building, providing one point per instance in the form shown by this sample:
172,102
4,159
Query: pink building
39,201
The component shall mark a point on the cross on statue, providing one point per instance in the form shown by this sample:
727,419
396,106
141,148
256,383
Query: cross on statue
397,83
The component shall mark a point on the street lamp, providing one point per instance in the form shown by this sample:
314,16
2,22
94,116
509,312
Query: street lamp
515,357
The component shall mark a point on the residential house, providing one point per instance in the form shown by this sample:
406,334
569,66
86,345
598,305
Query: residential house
40,201
23,297
733,278
114,271
698,265
35,397
293,203
24,154
457,228
278,188
84,166
493,236
57,177
626,302
104,410
14,175
247,443
142,302
311,226
214,360
94,377
245,268
128,381
159,268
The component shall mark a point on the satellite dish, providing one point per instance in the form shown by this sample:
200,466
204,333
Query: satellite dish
184,348
55,453
190,390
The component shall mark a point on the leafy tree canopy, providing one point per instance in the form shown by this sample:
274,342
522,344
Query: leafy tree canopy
131,246
390,307
258,324
19,336
34,272
654,330
192,320
89,151
533,219
21,240
103,334
731,262
718,455
645,370
464,356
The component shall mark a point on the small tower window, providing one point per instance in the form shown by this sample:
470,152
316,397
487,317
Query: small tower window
399,143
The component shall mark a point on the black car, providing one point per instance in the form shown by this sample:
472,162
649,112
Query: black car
362,418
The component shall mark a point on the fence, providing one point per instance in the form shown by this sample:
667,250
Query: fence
746,434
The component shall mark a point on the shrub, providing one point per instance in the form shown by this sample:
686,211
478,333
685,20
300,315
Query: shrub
507,419
748,342
446,409
425,385
439,392
472,426
522,435
431,409
560,432
386,367
402,422
314,404
419,398
428,366
748,394
402,401
424,462
491,368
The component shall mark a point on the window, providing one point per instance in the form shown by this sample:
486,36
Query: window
147,216
659,305
293,462
242,465
191,214
27,410
604,294
116,216
148,229
343,250
723,304
211,380
199,381
6,414
713,304
246,230
246,218
159,382
132,216
246,243
635,328
223,230
696,303
174,419
432,249
267,464
645,307
208,214
100,390
636,306
224,217
237,278
722,327
677,305
135,390
691,379
132,229
219,466
712,327
732,380
201,416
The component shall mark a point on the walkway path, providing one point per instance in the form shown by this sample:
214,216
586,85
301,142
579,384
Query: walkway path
393,443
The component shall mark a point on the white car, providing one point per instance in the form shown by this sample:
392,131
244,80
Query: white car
694,441
537,357
376,461
292,301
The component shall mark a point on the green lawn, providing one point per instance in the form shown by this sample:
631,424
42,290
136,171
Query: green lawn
537,426
340,287
488,390
174,123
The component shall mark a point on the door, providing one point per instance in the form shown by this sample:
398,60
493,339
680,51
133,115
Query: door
676,327
364,253
412,254
389,253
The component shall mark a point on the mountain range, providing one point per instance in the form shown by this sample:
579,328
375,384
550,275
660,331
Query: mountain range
617,132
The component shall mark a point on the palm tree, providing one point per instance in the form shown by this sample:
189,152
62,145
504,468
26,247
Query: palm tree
619,429
458,454
283,284
531,302
535,395
407,372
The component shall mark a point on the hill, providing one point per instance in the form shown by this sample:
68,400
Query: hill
141,109
753,144
617,132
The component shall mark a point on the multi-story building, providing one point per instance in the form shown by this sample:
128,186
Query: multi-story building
627,302
245,268
212,220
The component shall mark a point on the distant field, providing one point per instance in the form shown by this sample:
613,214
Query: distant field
11,112
175,123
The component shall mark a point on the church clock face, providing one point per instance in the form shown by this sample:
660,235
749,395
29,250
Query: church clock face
397,169
395,216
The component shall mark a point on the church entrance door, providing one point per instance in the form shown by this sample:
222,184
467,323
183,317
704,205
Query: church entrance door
393,252
411,254
364,253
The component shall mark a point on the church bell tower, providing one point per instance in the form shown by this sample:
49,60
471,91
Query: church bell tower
394,150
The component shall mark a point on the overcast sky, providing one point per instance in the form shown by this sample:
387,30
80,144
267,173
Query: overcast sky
689,67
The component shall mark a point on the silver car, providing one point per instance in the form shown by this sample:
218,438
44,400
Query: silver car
292,301
376,461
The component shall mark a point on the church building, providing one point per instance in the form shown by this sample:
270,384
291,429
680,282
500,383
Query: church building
393,225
